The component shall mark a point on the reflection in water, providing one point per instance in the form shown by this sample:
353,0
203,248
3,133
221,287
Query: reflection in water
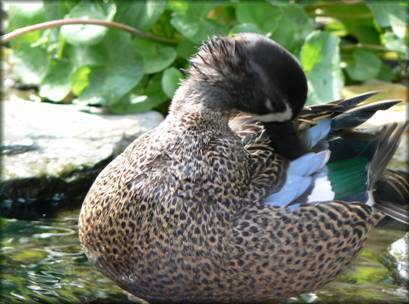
42,263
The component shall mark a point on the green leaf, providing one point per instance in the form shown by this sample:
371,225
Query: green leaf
55,85
58,9
54,10
140,14
385,73
365,65
88,34
109,83
321,62
363,30
288,24
193,23
148,95
193,29
199,9
170,81
186,48
391,14
336,27
178,6
30,63
294,27
86,55
264,15
286,35
312,53
80,80
25,14
245,28
399,26
155,56
394,43
357,19
118,75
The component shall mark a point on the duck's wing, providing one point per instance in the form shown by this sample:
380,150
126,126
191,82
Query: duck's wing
348,167
302,237
358,161
307,175
328,129
309,242
330,160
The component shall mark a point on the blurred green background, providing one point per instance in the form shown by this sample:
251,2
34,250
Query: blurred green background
337,42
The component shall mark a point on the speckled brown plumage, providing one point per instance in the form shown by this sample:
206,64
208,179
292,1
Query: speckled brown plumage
185,221
179,215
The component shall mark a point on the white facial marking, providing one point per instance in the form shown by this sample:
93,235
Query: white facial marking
268,104
278,116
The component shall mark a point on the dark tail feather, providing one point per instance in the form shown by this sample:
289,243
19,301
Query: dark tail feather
353,101
388,142
358,115
391,190
337,106
392,195
345,113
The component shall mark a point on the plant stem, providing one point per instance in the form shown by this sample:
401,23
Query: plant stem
365,46
60,22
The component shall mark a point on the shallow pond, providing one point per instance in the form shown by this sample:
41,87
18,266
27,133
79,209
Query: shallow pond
42,263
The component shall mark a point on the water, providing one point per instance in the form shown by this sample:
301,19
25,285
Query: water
42,263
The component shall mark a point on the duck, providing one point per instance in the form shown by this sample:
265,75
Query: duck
242,194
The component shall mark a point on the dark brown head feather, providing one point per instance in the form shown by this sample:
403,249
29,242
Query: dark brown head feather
250,73
218,58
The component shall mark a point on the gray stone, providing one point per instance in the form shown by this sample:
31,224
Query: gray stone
52,153
398,257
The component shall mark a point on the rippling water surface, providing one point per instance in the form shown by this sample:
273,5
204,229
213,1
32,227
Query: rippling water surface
42,263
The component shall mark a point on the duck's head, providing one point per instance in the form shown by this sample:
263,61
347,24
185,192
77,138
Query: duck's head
252,74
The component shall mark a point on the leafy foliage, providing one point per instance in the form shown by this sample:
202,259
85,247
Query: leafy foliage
336,42
321,63
87,34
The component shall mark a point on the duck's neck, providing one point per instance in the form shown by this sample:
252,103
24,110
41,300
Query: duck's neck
197,103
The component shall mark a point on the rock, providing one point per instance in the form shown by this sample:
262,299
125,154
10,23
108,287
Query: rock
52,153
398,259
